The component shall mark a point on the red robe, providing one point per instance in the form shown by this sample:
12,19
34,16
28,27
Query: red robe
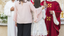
52,28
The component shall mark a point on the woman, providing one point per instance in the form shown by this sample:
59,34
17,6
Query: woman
39,27
23,17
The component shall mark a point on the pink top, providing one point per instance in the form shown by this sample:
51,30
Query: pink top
23,12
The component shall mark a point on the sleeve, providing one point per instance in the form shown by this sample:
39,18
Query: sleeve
32,7
35,10
57,14
55,19
15,13
57,9
7,11
43,13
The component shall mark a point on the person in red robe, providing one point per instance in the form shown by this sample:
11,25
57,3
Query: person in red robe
53,7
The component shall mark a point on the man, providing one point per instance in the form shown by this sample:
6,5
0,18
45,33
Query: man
9,11
52,17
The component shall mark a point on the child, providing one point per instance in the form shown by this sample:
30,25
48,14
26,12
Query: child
39,27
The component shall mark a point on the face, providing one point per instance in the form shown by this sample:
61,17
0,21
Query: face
45,4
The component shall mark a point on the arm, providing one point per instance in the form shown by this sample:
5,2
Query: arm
15,14
55,19
56,14
57,10
36,11
7,11
32,7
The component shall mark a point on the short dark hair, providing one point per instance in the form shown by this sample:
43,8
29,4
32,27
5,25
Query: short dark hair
37,3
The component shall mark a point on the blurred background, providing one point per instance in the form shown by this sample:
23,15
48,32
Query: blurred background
3,18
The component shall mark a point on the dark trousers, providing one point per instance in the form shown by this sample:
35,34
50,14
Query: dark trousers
24,29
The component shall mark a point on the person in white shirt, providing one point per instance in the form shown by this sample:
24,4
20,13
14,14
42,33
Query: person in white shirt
9,11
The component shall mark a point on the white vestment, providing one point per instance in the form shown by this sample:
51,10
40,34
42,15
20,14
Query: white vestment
39,28
11,24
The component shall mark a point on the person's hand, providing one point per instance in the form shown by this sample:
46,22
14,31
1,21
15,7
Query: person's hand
12,9
35,20
16,24
51,12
